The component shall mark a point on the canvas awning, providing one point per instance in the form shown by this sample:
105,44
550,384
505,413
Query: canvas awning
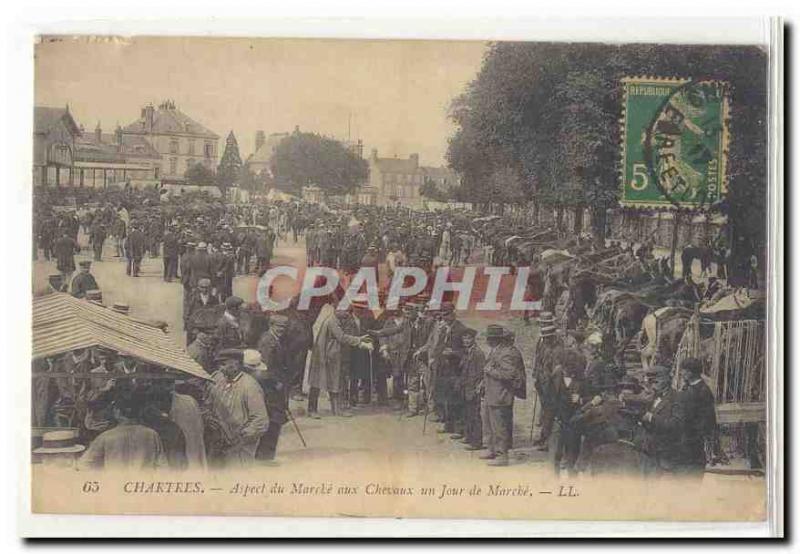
62,323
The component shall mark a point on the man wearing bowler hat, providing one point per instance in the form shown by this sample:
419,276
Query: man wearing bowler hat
503,379
664,421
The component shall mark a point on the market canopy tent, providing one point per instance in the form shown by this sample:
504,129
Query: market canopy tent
62,323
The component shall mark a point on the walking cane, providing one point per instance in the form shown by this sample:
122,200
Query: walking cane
533,418
296,428
370,376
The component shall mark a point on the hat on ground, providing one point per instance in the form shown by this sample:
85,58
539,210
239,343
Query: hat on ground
85,263
202,245
692,365
204,282
230,354
252,359
121,307
547,331
94,294
233,302
60,442
191,244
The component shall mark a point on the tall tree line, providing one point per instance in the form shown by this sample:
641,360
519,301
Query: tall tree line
541,121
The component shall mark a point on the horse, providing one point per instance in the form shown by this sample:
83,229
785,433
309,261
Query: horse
691,253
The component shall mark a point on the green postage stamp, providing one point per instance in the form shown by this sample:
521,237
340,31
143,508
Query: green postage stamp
674,142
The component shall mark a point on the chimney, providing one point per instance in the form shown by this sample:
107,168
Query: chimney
118,136
260,140
149,115
98,133
374,153
414,158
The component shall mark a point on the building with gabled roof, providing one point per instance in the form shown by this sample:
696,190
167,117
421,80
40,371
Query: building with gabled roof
179,140
54,134
394,181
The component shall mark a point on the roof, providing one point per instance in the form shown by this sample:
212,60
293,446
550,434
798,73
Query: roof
396,165
264,153
169,120
45,117
88,149
62,323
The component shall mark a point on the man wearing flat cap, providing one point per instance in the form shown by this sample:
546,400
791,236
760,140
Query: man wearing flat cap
503,379
228,333
275,378
199,299
237,401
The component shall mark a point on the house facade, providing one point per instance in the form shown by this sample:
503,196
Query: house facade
179,140
395,181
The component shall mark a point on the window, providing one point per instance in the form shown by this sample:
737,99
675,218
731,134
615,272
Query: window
173,146
173,166
191,147
155,172
189,163
208,150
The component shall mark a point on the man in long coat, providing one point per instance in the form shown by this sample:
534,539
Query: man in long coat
503,379
64,250
326,369
171,252
97,237
135,247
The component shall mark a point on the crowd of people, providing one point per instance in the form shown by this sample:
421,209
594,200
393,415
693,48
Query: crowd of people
421,360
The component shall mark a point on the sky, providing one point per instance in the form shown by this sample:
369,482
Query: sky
395,94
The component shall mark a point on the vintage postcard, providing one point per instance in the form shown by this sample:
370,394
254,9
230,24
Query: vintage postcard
506,280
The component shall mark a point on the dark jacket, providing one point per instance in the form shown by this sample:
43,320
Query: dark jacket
665,431
700,422
136,245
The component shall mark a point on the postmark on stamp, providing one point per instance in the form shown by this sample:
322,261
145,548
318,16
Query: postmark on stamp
675,133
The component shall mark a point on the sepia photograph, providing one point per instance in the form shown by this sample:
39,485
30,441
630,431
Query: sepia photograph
490,279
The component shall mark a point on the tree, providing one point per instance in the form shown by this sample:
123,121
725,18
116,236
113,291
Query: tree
550,112
254,182
229,171
199,175
429,189
303,159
